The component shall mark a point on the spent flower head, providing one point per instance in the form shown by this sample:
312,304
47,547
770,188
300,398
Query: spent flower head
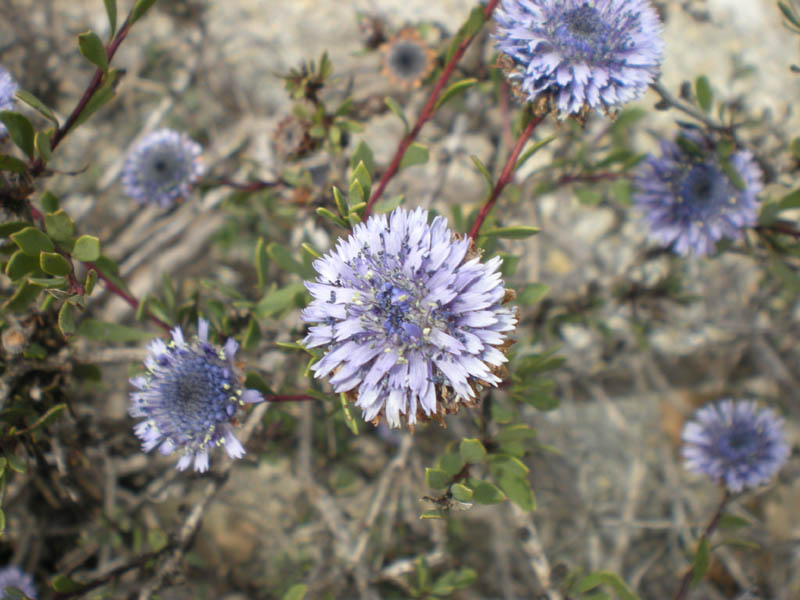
735,444
12,576
162,167
412,322
689,199
579,54
407,58
189,397
8,87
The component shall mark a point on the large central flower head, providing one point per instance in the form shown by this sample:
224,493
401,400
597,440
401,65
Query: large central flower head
189,397
597,54
412,321
735,444
688,199
162,167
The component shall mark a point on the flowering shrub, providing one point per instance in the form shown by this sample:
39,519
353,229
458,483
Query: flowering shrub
462,225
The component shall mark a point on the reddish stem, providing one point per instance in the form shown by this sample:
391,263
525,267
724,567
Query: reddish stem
505,176
712,525
133,302
37,167
427,112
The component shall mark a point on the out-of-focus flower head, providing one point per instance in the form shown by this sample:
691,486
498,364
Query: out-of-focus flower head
577,54
407,58
162,167
188,398
412,322
689,198
15,577
8,87
735,444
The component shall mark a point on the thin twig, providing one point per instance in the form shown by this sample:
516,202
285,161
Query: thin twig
690,110
427,112
712,525
506,175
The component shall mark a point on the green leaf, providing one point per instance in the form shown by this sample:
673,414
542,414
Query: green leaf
470,27
53,263
341,203
361,174
42,143
789,14
6,229
13,164
484,171
363,154
789,201
296,592
532,293
92,48
101,97
22,298
14,463
2,525
732,522
111,11
461,492
417,154
533,150
255,381
453,90
86,249
356,195
20,264
49,202
324,212
701,561
608,578
518,491
90,281
38,106
59,226
261,261
452,463
281,256
349,420
472,451
94,329
59,282
32,241
702,89
64,585
487,493
732,174
387,204
436,478
139,9
66,319
279,300
395,108
518,232
252,335
20,130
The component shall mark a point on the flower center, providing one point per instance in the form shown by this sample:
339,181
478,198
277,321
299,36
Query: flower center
739,443
583,34
407,60
702,185
394,305
201,391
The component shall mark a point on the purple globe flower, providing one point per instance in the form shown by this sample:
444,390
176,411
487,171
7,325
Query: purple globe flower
412,322
690,202
188,398
581,54
8,87
15,577
735,444
162,167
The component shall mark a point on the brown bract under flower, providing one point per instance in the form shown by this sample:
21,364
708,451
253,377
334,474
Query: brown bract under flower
407,58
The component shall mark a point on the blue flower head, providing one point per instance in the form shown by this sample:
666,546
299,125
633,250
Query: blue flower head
580,54
188,398
690,201
162,167
412,322
735,444
15,577
8,87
